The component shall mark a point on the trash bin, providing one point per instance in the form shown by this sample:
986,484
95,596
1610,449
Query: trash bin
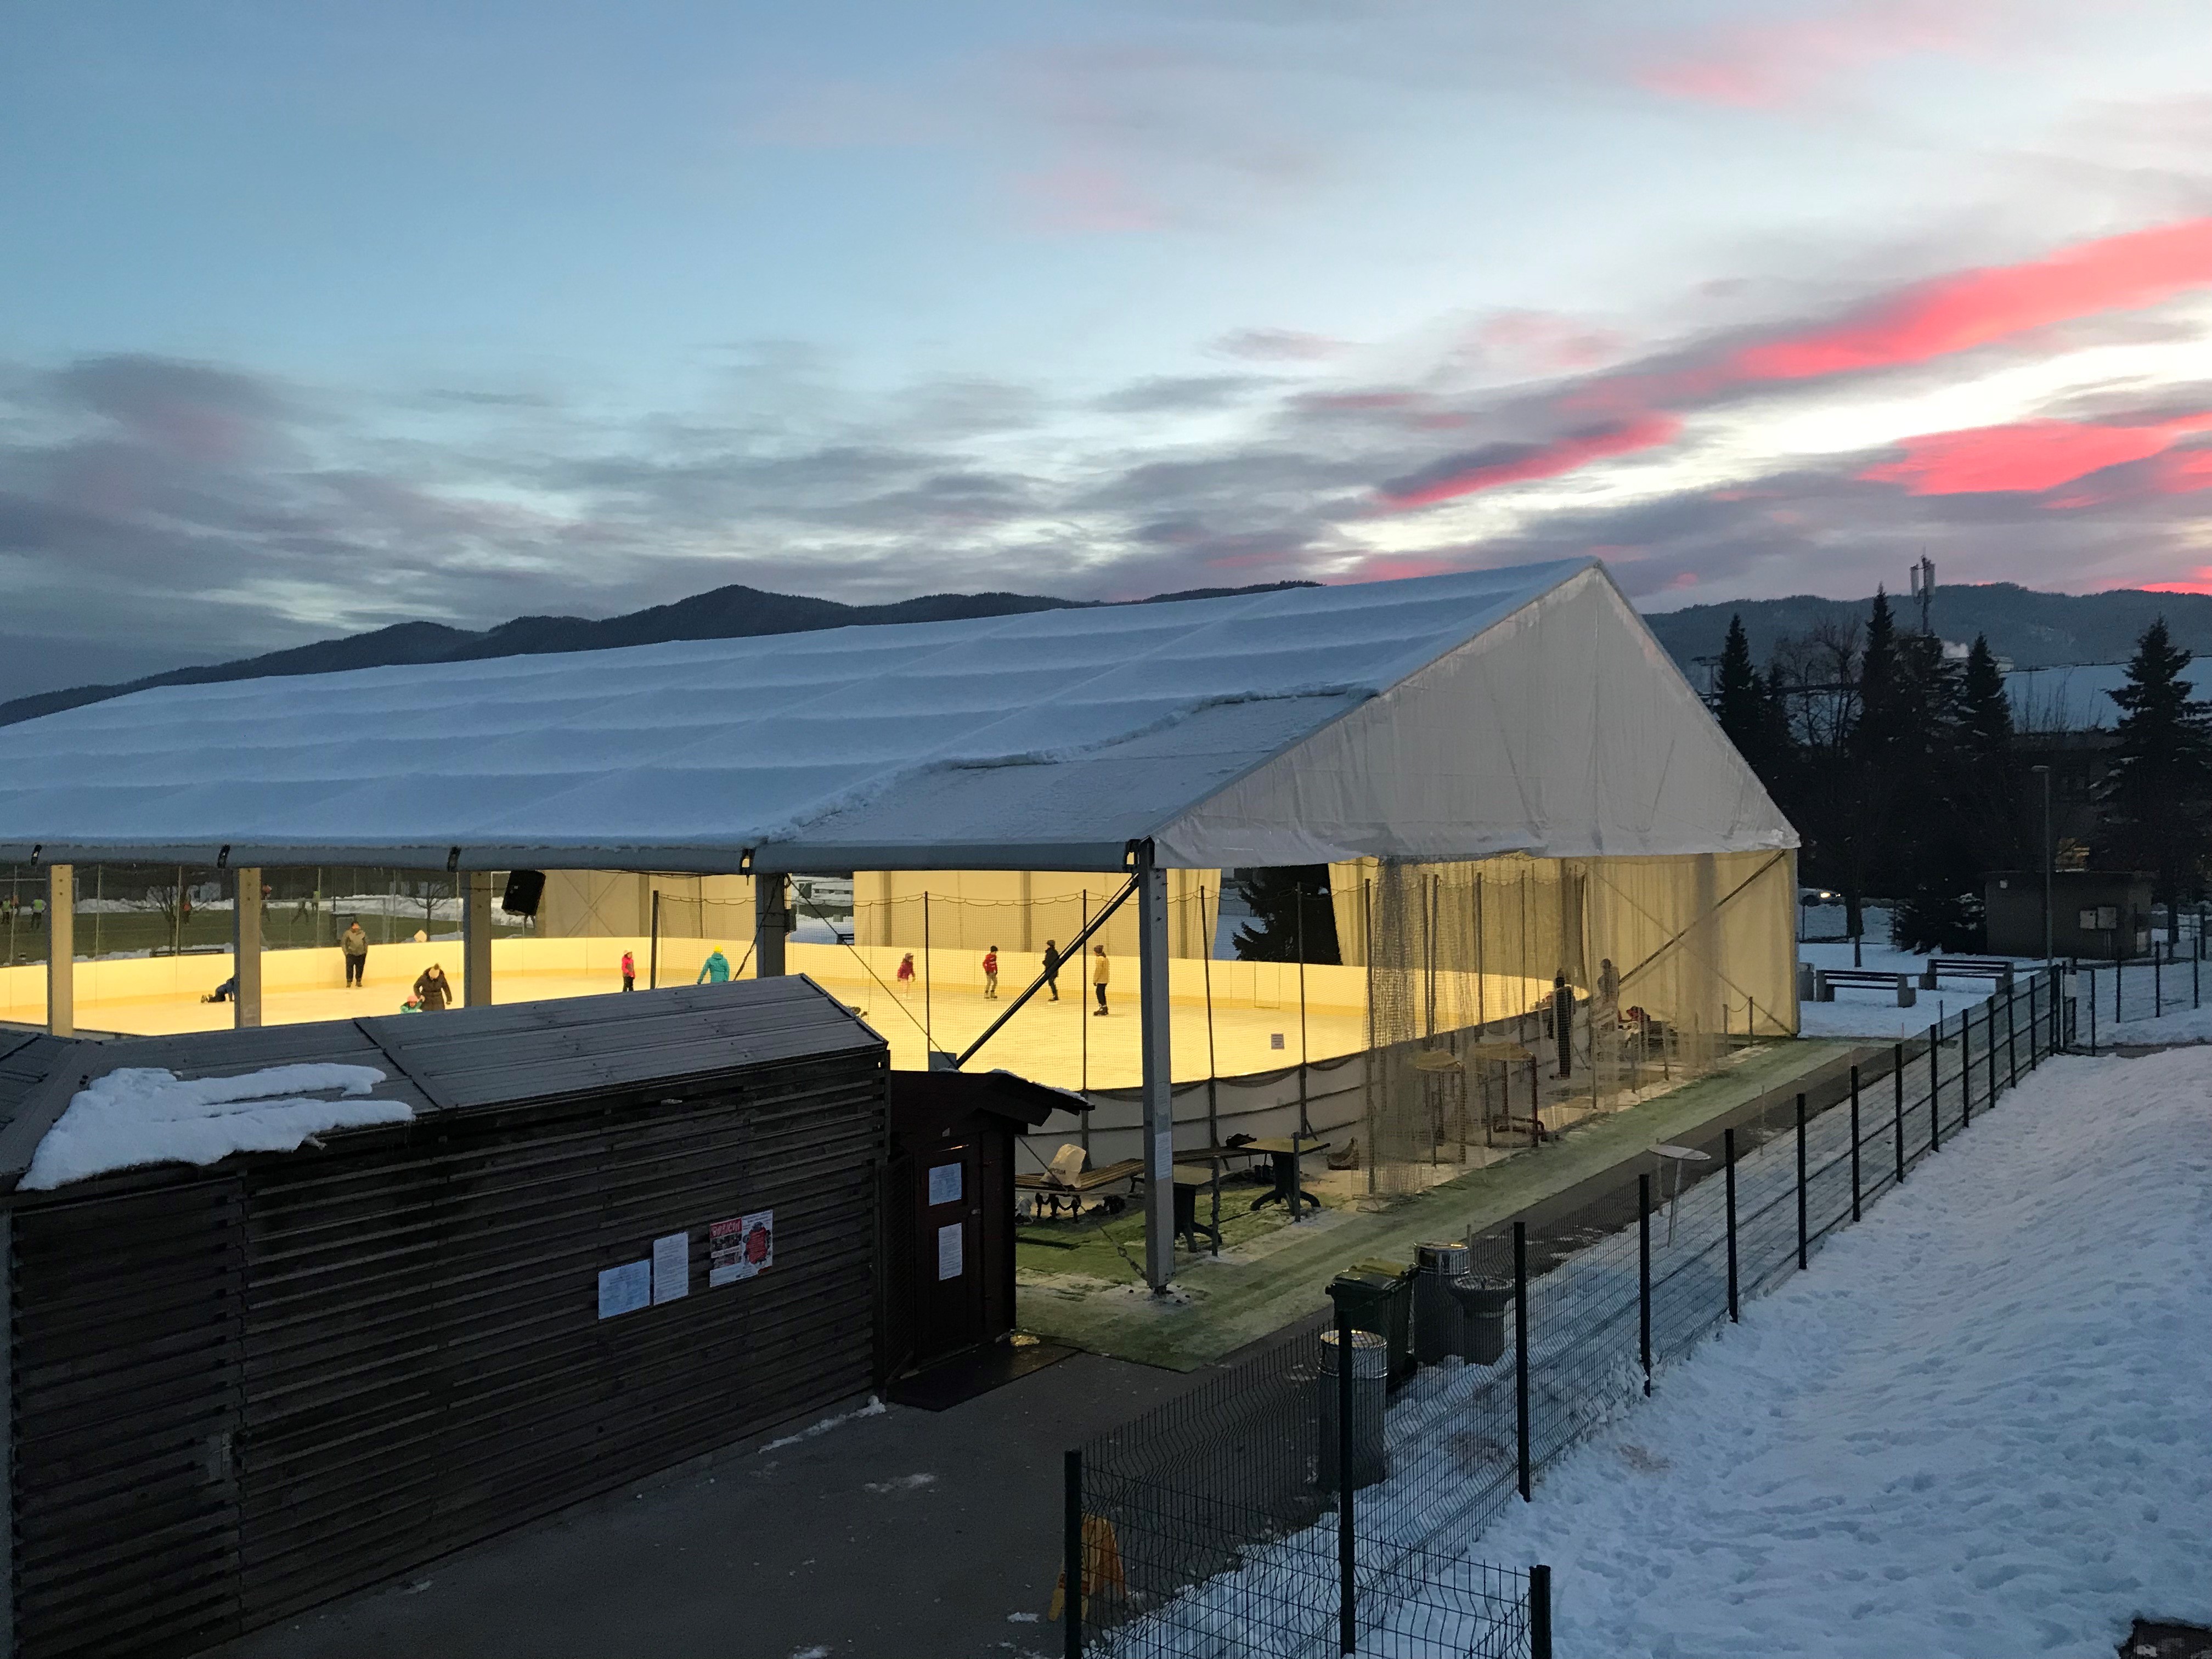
1484,1303
1371,1374
1438,1328
1378,1296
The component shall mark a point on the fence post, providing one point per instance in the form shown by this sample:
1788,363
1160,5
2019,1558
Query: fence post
1935,1078
1897,1081
1644,1276
1727,1154
2092,1013
1540,1613
1966,1060
1520,1345
1071,1602
2119,980
1855,1144
2034,1025
1347,1609
1989,1041
1801,1240
2012,1046
2157,985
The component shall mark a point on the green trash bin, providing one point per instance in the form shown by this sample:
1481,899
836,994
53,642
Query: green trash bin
1377,1296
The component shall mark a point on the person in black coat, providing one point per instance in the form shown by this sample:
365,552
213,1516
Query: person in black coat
1052,960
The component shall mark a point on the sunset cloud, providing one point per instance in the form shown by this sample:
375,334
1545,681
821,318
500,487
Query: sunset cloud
1498,464
1765,65
2029,455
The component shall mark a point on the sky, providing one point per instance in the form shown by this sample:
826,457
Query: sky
318,319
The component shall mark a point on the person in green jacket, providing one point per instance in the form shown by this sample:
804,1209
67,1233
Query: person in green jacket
715,971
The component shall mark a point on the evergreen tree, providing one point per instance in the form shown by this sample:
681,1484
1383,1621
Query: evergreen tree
2159,789
1737,694
1281,900
1872,742
1988,779
1928,861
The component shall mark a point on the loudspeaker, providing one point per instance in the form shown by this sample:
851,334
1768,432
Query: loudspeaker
523,889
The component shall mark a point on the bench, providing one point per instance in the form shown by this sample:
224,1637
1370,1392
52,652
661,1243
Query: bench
1073,1187
1826,981
1967,968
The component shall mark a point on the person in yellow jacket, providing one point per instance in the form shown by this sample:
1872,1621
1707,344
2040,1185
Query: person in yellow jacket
1100,974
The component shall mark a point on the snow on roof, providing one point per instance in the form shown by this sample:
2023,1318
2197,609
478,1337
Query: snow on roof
141,1115
2071,697
1048,740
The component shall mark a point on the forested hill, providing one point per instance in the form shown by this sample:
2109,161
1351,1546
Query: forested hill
725,613
2036,630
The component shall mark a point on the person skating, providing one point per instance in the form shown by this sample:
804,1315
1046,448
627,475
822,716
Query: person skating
991,974
433,990
714,970
905,974
1052,968
1100,974
630,971
354,944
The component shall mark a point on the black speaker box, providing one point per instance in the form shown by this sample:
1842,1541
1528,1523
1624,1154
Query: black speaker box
523,889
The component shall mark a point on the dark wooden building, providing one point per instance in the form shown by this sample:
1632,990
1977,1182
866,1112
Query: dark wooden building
608,1234
948,1209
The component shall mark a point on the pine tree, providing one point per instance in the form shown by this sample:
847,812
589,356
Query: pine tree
1988,780
1281,900
2159,789
1871,747
1737,694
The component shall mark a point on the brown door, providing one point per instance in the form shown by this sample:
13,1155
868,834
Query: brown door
949,1268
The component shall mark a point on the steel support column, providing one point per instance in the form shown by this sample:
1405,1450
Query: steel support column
61,950
1154,1043
245,948
771,924
476,938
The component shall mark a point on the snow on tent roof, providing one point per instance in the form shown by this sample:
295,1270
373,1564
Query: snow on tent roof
1050,740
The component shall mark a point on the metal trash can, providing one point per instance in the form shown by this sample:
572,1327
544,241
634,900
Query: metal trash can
1377,1296
1371,1374
1484,1303
1438,1328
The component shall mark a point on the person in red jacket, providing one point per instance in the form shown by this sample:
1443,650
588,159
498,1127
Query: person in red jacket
991,974
630,971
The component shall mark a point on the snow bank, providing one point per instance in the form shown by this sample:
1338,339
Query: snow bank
1979,1426
140,1114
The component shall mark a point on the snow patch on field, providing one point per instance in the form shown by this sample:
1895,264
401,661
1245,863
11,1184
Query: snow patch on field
140,1114
1979,1426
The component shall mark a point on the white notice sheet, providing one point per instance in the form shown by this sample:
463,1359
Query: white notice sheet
672,1266
625,1289
950,1259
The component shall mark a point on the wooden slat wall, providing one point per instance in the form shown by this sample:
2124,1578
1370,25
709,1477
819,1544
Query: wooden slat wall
425,1364
127,1366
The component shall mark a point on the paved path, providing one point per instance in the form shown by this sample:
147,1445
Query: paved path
907,1534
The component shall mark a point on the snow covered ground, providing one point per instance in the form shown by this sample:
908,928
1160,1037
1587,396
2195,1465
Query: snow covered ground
1981,1424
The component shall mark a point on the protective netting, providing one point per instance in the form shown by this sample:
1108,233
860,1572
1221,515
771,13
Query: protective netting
1509,998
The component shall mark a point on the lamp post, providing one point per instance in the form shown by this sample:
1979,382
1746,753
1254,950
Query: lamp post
2049,857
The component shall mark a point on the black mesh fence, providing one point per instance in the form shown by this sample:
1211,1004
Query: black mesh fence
1213,1524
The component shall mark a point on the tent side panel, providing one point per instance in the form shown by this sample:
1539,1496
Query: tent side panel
1563,730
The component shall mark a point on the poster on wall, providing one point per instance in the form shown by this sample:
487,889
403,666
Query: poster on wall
671,1267
625,1289
744,1248
944,1184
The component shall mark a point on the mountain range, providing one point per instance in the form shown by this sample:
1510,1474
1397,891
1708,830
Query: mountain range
2033,630
724,613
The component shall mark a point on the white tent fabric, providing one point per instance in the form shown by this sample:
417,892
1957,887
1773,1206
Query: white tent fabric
1447,716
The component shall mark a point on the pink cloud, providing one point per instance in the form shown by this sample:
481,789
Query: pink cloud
2032,455
1763,65
1075,199
1511,464
1977,307
2199,582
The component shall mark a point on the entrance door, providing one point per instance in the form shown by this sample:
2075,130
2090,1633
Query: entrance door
948,1259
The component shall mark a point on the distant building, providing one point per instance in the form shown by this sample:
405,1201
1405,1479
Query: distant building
2096,914
2064,717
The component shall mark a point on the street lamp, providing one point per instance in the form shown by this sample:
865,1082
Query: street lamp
2049,857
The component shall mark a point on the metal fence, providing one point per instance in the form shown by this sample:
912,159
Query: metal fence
2119,994
1203,1529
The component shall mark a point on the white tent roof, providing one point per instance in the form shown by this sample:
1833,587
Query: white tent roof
1453,716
